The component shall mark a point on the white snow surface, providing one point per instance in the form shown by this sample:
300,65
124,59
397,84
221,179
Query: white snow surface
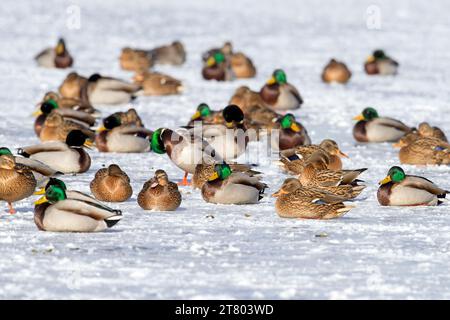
235,252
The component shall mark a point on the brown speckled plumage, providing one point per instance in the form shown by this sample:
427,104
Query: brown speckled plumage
159,194
111,184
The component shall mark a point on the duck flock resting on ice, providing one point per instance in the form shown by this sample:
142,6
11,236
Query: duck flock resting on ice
319,188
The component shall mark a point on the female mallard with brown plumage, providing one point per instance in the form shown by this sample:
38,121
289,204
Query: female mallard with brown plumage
173,54
314,173
84,119
425,151
17,181
291,134
158,84
57,57
56,128
328,146
373,128
57,212
217,68
400,189
159,193
279,94
111,184
336,71
425,130
226,187
380,63
66,157
135,59
296,201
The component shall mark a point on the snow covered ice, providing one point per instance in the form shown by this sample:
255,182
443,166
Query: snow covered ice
216,251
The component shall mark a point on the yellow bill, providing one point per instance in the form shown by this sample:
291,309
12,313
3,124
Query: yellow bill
295,127
370,59
196,115
41,200
214,176
40,192
210,62
385,180
359,117
271,81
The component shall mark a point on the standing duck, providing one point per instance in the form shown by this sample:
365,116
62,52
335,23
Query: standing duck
17,181
217,68
57,57
66,157
373,128
336,71
111,184
159,194
158,84
185,149
296,201
279,94
380,63
291,134
56,212
226,187
400,189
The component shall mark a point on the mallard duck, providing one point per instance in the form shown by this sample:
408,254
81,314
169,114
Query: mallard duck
17,181
314,173
204,114
204,171
380,63
185,149
115,137
56,128
217,68
71,194
41,172
373,128
111,184
173,53
120,118
336,71
66,157
57,213
57,57
159,193
68,103
296,201
135,59
97,89
226,187
330,147
400,189
158,84
428,131
229,140
279,94
291,134
242,66
73,116
226,50
425,151
246,98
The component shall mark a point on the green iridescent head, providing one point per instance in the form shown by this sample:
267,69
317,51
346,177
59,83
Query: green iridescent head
56,182
215,59
221,171
395,174
289,122
156,143
52,195
5,151
369,113
279,77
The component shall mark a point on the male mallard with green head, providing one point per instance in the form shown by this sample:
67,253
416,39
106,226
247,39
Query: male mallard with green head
279,94
56,212
380,63
57,57
226,187
217,68
373,128
291,134
400,189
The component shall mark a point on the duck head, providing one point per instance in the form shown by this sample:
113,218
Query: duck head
53,194
203,110
395,174
221,171
156,142
278,77
367,115
288,122
216,59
